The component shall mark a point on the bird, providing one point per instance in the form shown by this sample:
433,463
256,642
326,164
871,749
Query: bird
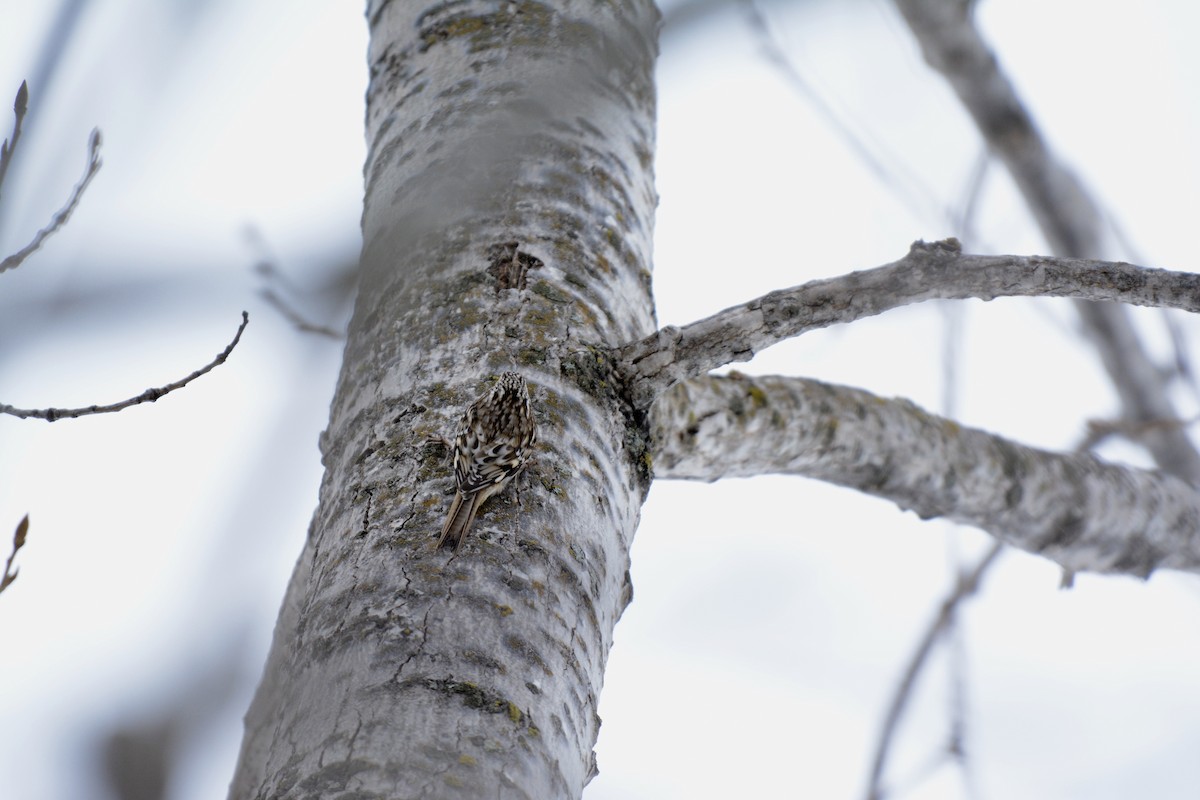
492,445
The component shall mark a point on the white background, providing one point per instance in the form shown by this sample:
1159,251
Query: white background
772,617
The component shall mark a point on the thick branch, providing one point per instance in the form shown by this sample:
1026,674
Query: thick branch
148,396
1074,509
1069,219
929,271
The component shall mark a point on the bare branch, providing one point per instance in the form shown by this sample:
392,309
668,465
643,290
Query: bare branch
1069,218
275,282
890,170
953,46
929,271
20,106
968,585
10,574
1076,510
60,218
298,320
943,625
1099,430
148,396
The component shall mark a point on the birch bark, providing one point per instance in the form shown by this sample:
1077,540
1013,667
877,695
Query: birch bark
507,225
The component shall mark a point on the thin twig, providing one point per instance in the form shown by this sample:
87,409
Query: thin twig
148,396
1098,430
64,213
295,317
268,269
10,574
905,182
967,586
20,106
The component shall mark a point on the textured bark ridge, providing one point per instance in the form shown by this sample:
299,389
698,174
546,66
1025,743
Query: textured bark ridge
507,226
1072,508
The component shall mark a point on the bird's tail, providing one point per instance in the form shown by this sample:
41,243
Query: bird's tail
458,521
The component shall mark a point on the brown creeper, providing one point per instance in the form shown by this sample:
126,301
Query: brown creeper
491,447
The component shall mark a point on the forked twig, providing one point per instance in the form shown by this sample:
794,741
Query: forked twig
967,586
63,214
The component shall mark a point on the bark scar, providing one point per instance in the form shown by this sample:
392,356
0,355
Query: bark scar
509,265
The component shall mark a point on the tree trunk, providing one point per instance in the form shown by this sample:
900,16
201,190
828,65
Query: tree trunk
507,226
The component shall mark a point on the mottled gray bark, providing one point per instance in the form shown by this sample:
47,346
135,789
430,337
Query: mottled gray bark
507,225
929,271
1074,509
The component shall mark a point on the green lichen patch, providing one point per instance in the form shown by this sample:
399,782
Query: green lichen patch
476,697
548,291
594,371
519,24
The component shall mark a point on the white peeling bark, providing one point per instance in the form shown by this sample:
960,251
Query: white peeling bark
1074,509
507,225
